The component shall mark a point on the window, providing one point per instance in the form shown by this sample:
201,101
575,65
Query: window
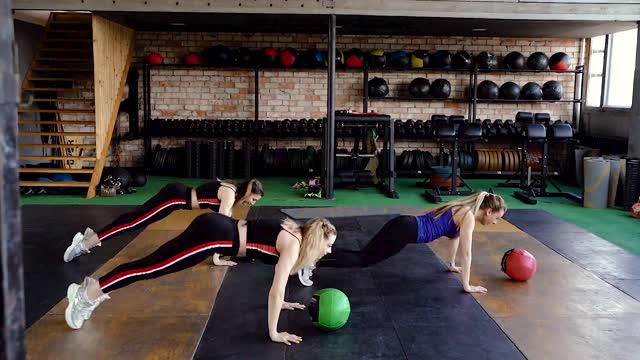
611,69
596,63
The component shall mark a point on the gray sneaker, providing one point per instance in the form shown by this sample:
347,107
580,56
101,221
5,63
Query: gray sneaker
77,246
304,275
80,307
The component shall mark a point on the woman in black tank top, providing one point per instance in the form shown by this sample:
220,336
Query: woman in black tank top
216,195
286,244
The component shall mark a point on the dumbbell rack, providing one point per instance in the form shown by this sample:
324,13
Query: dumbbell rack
386,182
146,86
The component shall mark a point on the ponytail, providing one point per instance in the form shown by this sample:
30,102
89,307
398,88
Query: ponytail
475,202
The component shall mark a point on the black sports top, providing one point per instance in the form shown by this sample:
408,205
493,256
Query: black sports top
207,195
261,239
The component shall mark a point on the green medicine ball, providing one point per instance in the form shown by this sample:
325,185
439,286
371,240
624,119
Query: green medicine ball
329,309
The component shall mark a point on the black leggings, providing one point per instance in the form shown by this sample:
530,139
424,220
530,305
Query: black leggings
207,234
393,237
170,198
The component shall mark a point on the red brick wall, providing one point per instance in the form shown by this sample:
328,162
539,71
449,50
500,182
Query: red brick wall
213,94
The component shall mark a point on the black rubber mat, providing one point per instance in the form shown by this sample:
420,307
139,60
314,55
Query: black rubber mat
47,232
606,260
408,307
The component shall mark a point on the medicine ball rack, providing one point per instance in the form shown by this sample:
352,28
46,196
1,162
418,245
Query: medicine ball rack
473,99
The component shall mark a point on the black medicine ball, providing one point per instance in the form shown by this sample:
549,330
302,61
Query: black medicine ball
461,60
218,55
378,87
440,88
246,57
487,61
531,91
487,90
552,90
377,58
440,59
398,59
419,88
514,61
509,91
538,61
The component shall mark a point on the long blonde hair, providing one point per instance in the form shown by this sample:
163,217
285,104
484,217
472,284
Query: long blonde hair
475,202
314,234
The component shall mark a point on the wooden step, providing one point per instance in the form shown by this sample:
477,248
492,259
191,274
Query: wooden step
71,22
55,122
30,78
62,133
55,171
56,146
63,59
61,158
68,40
31,88
67,49
69,69
57,111
75,31
55,183
64,100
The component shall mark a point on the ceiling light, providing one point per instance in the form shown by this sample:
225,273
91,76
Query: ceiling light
177,24
479,29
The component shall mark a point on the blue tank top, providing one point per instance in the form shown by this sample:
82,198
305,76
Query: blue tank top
430,229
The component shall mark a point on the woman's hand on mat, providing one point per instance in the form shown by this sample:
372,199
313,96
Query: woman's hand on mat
286,338
454,268
292,306
220,262
475,289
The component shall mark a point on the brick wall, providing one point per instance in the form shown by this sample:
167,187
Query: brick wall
213,94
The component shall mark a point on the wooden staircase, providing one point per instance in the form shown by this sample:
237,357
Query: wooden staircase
73,89
59,90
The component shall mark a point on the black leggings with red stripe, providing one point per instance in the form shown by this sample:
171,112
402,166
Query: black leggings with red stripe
170,198
208,233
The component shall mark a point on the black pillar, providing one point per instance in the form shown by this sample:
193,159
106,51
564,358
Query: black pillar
328,149
10,233
634,124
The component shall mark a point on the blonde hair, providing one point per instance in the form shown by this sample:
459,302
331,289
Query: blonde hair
475,202
314,235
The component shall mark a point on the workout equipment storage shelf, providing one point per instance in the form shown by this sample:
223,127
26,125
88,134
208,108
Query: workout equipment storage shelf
409,98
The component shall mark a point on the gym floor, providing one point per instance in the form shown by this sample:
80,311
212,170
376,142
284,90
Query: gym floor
582,303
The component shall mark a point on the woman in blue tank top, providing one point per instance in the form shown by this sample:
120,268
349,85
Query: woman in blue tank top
455,220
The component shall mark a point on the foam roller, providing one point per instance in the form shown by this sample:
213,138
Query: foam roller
596,182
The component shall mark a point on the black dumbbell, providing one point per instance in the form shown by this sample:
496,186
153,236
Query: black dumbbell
510,127
294,128
420,130
409,128
398,128
302,127
228,127
286,127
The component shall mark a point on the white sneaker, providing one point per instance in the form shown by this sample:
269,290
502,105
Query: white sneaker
77,246
304,275
80,307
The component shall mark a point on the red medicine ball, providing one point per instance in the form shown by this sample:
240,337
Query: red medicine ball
192,59
288,57
560,62
154,58
519,264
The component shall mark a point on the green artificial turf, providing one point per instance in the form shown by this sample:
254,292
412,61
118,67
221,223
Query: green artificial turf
614,225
